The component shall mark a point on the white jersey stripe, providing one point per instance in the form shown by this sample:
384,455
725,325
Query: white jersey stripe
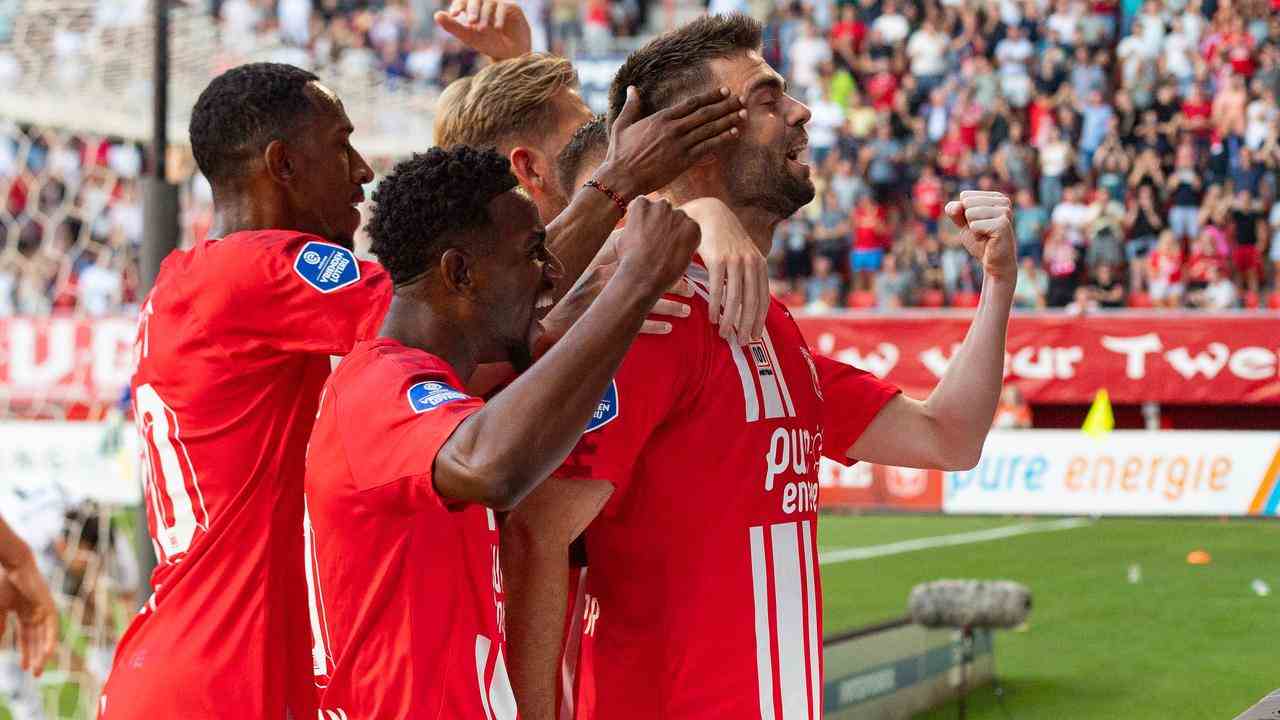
749,397
748,383
572,646
792,677
764,655
782,380
501,696
810,596
768,382
482,659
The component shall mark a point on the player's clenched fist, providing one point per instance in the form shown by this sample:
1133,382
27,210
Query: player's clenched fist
986,223
658,241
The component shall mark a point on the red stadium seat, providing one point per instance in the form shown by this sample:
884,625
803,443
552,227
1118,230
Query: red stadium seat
1140,300
1273,302
1251,300
861,299
965,300
932,299
793,299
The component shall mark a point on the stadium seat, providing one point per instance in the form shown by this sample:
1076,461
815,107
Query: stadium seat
861,299
1140,300
932,299
793,299
1273,302
1251,300
965,300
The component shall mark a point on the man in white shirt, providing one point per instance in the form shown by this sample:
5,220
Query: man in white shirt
927,51
892,25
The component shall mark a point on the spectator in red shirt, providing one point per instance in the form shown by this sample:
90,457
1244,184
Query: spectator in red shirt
882,86
1165,267
1204,258
870,227
847,35
927,196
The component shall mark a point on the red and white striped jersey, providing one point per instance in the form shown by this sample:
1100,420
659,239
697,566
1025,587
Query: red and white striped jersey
704,561
404,588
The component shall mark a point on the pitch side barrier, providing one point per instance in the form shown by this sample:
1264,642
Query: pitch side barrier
895,669
1065,472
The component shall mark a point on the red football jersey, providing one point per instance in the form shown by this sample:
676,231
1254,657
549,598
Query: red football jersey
233,346
704,562
405,589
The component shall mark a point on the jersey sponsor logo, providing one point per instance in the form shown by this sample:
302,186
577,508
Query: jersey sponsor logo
606,410
430,395
326,267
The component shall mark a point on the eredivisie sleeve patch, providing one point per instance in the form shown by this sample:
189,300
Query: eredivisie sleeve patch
326,267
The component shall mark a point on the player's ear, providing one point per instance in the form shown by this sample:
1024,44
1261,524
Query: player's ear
279,163
455,270
524,165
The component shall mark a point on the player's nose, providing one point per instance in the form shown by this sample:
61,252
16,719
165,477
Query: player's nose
363,173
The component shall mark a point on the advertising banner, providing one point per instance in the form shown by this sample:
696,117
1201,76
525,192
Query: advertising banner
80,460
865,486
1175,358
1123,473
65,359
1193,358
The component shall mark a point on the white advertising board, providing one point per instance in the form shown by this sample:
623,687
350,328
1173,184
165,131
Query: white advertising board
1122,473
84,460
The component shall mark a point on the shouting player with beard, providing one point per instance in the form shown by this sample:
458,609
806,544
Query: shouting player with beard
233,347
698,491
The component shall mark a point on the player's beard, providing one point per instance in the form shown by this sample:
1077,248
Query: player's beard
758,177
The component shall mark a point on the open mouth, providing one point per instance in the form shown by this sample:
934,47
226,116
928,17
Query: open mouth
797,152
543,304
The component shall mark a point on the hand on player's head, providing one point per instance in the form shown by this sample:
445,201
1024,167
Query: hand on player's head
657,149
657,243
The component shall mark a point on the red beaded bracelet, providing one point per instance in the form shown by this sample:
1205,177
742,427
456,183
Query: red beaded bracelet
615,197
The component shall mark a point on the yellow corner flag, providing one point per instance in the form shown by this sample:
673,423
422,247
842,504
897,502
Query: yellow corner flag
1099,421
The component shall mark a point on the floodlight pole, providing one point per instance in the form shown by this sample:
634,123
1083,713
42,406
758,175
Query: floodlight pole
160,231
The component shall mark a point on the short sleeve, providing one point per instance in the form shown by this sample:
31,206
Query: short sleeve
396,444
655,378
851,399
295,293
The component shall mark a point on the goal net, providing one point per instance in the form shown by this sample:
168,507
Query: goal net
86,66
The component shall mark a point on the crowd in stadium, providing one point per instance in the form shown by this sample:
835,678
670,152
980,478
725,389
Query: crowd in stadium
1141,141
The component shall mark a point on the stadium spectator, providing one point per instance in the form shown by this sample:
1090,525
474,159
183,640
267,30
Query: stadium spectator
1218,294
1165,269
1012,412
1177,95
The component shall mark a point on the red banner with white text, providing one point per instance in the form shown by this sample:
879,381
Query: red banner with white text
1188,358
1172,358
63,359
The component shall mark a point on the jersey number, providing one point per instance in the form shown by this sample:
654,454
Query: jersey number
173,490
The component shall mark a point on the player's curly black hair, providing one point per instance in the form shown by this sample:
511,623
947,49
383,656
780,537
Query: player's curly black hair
589,141
422,206
242,111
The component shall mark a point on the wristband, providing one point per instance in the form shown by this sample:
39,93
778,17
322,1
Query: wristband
615,197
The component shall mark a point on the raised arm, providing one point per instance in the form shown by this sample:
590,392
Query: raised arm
24,592
498,455
947,430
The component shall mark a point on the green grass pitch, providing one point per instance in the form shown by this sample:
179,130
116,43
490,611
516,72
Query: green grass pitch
1186,642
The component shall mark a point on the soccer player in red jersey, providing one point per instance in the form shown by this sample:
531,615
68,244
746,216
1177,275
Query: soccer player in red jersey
404,469
698,494
233,347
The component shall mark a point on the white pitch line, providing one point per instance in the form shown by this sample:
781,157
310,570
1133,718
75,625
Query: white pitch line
976,536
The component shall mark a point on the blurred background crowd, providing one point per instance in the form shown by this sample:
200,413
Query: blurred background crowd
1139,138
